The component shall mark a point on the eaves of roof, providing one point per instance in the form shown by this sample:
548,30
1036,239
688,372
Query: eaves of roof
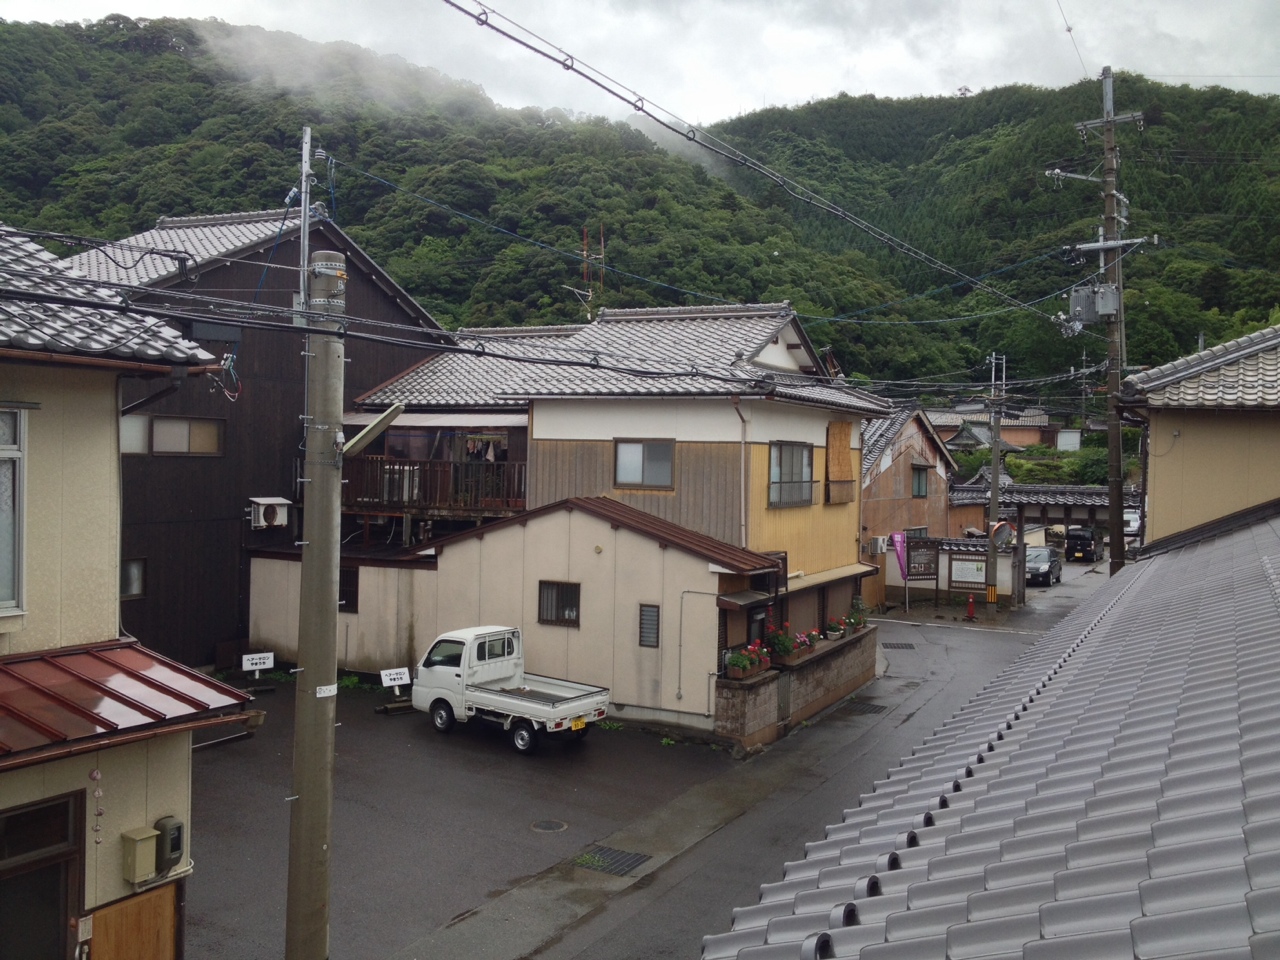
1029,494
736,559
1197,364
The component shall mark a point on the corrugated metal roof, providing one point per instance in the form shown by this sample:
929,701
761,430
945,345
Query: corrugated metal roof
737,559
54,698
77,331
667,352
1241,373
1114,793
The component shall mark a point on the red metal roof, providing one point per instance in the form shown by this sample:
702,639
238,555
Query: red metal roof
56,698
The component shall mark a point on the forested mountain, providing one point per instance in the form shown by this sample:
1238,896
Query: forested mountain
480,211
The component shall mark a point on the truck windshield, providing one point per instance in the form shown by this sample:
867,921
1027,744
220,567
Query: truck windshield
446,653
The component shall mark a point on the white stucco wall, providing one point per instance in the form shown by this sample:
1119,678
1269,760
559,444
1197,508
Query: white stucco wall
494,579
71,541
687,419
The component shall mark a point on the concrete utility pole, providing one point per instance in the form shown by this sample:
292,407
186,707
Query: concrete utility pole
993,512
311,820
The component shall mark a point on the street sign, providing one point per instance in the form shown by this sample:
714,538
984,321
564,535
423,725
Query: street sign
922,559
257,661
396,677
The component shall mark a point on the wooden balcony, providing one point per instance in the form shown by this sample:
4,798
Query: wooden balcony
433,488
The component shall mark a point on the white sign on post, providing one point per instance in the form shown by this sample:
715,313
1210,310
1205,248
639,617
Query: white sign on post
396,677
256,662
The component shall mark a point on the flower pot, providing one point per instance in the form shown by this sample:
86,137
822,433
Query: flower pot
742,673
834,634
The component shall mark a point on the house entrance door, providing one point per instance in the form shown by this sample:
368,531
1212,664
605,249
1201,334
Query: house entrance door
144,927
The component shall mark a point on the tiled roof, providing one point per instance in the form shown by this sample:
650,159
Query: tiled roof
1241,373
677,351
77,331
950,418
877,435
737,559
1113,794
71,698
1036,495
138,260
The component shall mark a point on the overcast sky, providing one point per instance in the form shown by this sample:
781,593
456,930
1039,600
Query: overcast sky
706,60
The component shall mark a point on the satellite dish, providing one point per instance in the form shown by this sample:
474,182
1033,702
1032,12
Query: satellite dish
1001,533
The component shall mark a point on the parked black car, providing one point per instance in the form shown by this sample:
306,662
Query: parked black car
1044,565
1084,543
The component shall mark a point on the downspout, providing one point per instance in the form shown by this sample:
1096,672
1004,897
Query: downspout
680,650
742,474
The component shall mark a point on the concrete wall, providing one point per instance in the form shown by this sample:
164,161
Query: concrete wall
1206,464
494,579
140,782
71,539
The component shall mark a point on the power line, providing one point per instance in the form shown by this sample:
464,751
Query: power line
1072,35
716,146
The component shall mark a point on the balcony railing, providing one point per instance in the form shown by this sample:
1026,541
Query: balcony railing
432,487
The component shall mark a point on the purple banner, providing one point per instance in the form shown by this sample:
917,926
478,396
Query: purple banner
900,548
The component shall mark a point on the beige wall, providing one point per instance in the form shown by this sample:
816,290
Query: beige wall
1203,465
817,537
494,580
141,782
72,527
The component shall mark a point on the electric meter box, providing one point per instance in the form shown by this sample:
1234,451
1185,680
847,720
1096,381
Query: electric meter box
139,848
169,843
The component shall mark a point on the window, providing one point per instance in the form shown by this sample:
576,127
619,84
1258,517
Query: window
135,433
133,579
40,855
12,444
558,603
650,619
919,532
919,481
446,653
790,474
495,649
186,436
642,463
349,589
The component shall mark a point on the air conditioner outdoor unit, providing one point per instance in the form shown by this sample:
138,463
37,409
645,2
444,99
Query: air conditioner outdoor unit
268,512
879,546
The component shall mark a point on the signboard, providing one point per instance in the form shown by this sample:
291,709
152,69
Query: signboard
257,661
968,572
396,677
922,559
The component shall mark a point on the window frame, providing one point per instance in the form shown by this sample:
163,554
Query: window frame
219,422
645,443
656,640
921,473
566,612
142,579
780,486
69,854
16,454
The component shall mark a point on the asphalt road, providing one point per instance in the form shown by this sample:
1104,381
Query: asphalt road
435,851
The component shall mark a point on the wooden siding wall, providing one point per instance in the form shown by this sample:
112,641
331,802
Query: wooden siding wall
816,538
705,497
186,515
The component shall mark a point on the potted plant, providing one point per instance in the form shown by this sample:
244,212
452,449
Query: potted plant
857,616
747,661
836,627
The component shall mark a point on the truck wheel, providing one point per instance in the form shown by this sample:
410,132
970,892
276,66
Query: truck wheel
524,738
442,716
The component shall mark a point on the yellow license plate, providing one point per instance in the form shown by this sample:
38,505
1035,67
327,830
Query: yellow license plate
578,723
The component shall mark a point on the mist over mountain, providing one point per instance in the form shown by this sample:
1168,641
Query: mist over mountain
106,126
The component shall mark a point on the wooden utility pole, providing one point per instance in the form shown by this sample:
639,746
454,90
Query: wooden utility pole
993,512
311,816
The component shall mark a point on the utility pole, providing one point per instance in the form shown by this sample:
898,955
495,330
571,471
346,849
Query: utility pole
993,513
1107,302
311,814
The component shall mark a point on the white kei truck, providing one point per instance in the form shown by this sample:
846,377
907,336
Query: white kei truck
479,672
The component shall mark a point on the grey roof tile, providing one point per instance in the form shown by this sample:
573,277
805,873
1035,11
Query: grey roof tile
1203,888
1241,373
77,330
1115,876
1208,928
1107,945
1107,911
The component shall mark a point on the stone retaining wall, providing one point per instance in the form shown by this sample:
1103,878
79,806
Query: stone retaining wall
761,709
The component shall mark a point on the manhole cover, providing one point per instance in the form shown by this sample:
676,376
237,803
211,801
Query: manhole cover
898,646
608,860
548,826
861,706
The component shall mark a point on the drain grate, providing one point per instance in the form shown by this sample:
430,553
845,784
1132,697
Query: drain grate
608,860
861,706
898,646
